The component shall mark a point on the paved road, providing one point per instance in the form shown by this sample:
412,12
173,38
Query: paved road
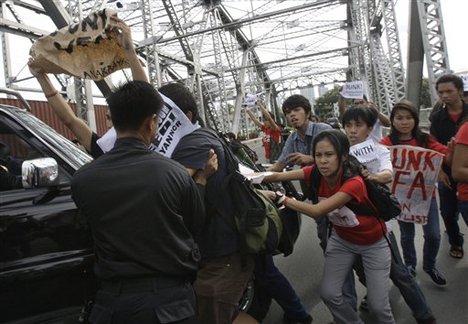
304,270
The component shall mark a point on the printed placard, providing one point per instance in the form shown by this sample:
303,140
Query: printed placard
173,125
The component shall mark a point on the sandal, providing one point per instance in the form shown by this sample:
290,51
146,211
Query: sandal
456,251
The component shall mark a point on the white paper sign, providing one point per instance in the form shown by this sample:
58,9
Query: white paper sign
465,81
366,153
250,100
353,90
173,125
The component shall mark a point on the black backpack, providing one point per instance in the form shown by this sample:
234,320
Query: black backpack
385,205
256,217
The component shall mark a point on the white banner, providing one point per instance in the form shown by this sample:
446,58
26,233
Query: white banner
353,90
173,125
415,172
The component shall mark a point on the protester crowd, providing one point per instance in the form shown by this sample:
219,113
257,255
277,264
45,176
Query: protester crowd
167,250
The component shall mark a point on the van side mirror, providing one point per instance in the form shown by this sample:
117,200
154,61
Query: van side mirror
41,172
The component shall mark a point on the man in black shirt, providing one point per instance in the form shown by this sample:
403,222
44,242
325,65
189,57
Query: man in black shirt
444,126
144,211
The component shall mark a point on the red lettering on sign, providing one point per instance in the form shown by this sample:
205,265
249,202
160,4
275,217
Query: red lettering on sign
418,182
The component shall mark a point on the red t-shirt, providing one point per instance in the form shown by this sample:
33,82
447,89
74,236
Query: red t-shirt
268,135
432,144
367,229
462,138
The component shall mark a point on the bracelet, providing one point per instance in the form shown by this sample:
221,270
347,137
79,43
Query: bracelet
51,94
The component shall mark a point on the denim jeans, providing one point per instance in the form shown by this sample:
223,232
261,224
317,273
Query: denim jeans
463,208
449,212
279,288
431,239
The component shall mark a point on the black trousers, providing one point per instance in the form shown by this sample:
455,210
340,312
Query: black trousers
147,300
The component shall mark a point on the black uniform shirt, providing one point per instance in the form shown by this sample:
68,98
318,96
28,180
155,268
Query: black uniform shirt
143,210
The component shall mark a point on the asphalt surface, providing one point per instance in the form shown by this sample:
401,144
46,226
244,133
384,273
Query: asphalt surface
304,269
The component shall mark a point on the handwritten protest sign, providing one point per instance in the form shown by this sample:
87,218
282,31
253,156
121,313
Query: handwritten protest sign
353,90
173,125
86,49
415,172
250,100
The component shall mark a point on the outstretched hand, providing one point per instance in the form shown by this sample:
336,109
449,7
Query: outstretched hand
300,159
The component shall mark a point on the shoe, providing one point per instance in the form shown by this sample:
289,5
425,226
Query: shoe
429,320
412,270
307,320
363,306
437,277
456,251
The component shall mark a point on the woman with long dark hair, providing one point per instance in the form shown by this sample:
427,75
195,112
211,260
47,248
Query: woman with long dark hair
353,235
405,131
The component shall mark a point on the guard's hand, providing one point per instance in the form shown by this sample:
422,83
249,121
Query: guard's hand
300,159
211,166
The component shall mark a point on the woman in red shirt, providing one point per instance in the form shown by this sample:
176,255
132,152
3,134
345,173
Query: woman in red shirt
352,235
460,169
405,131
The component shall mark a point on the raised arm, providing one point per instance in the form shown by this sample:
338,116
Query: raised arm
254,119
297,174
267,116
63,110
384,120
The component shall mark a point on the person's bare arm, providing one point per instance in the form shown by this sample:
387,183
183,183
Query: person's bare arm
254,119
384,120
460,163
62,109
277,166
267,116
341,103
297,174
382,177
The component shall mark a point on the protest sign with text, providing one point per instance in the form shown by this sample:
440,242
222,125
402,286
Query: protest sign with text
173,125
415,172
353,90
86,49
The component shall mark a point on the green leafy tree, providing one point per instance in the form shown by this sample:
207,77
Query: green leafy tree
324,104
425,97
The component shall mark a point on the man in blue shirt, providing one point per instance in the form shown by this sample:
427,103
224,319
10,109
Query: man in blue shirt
298,147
